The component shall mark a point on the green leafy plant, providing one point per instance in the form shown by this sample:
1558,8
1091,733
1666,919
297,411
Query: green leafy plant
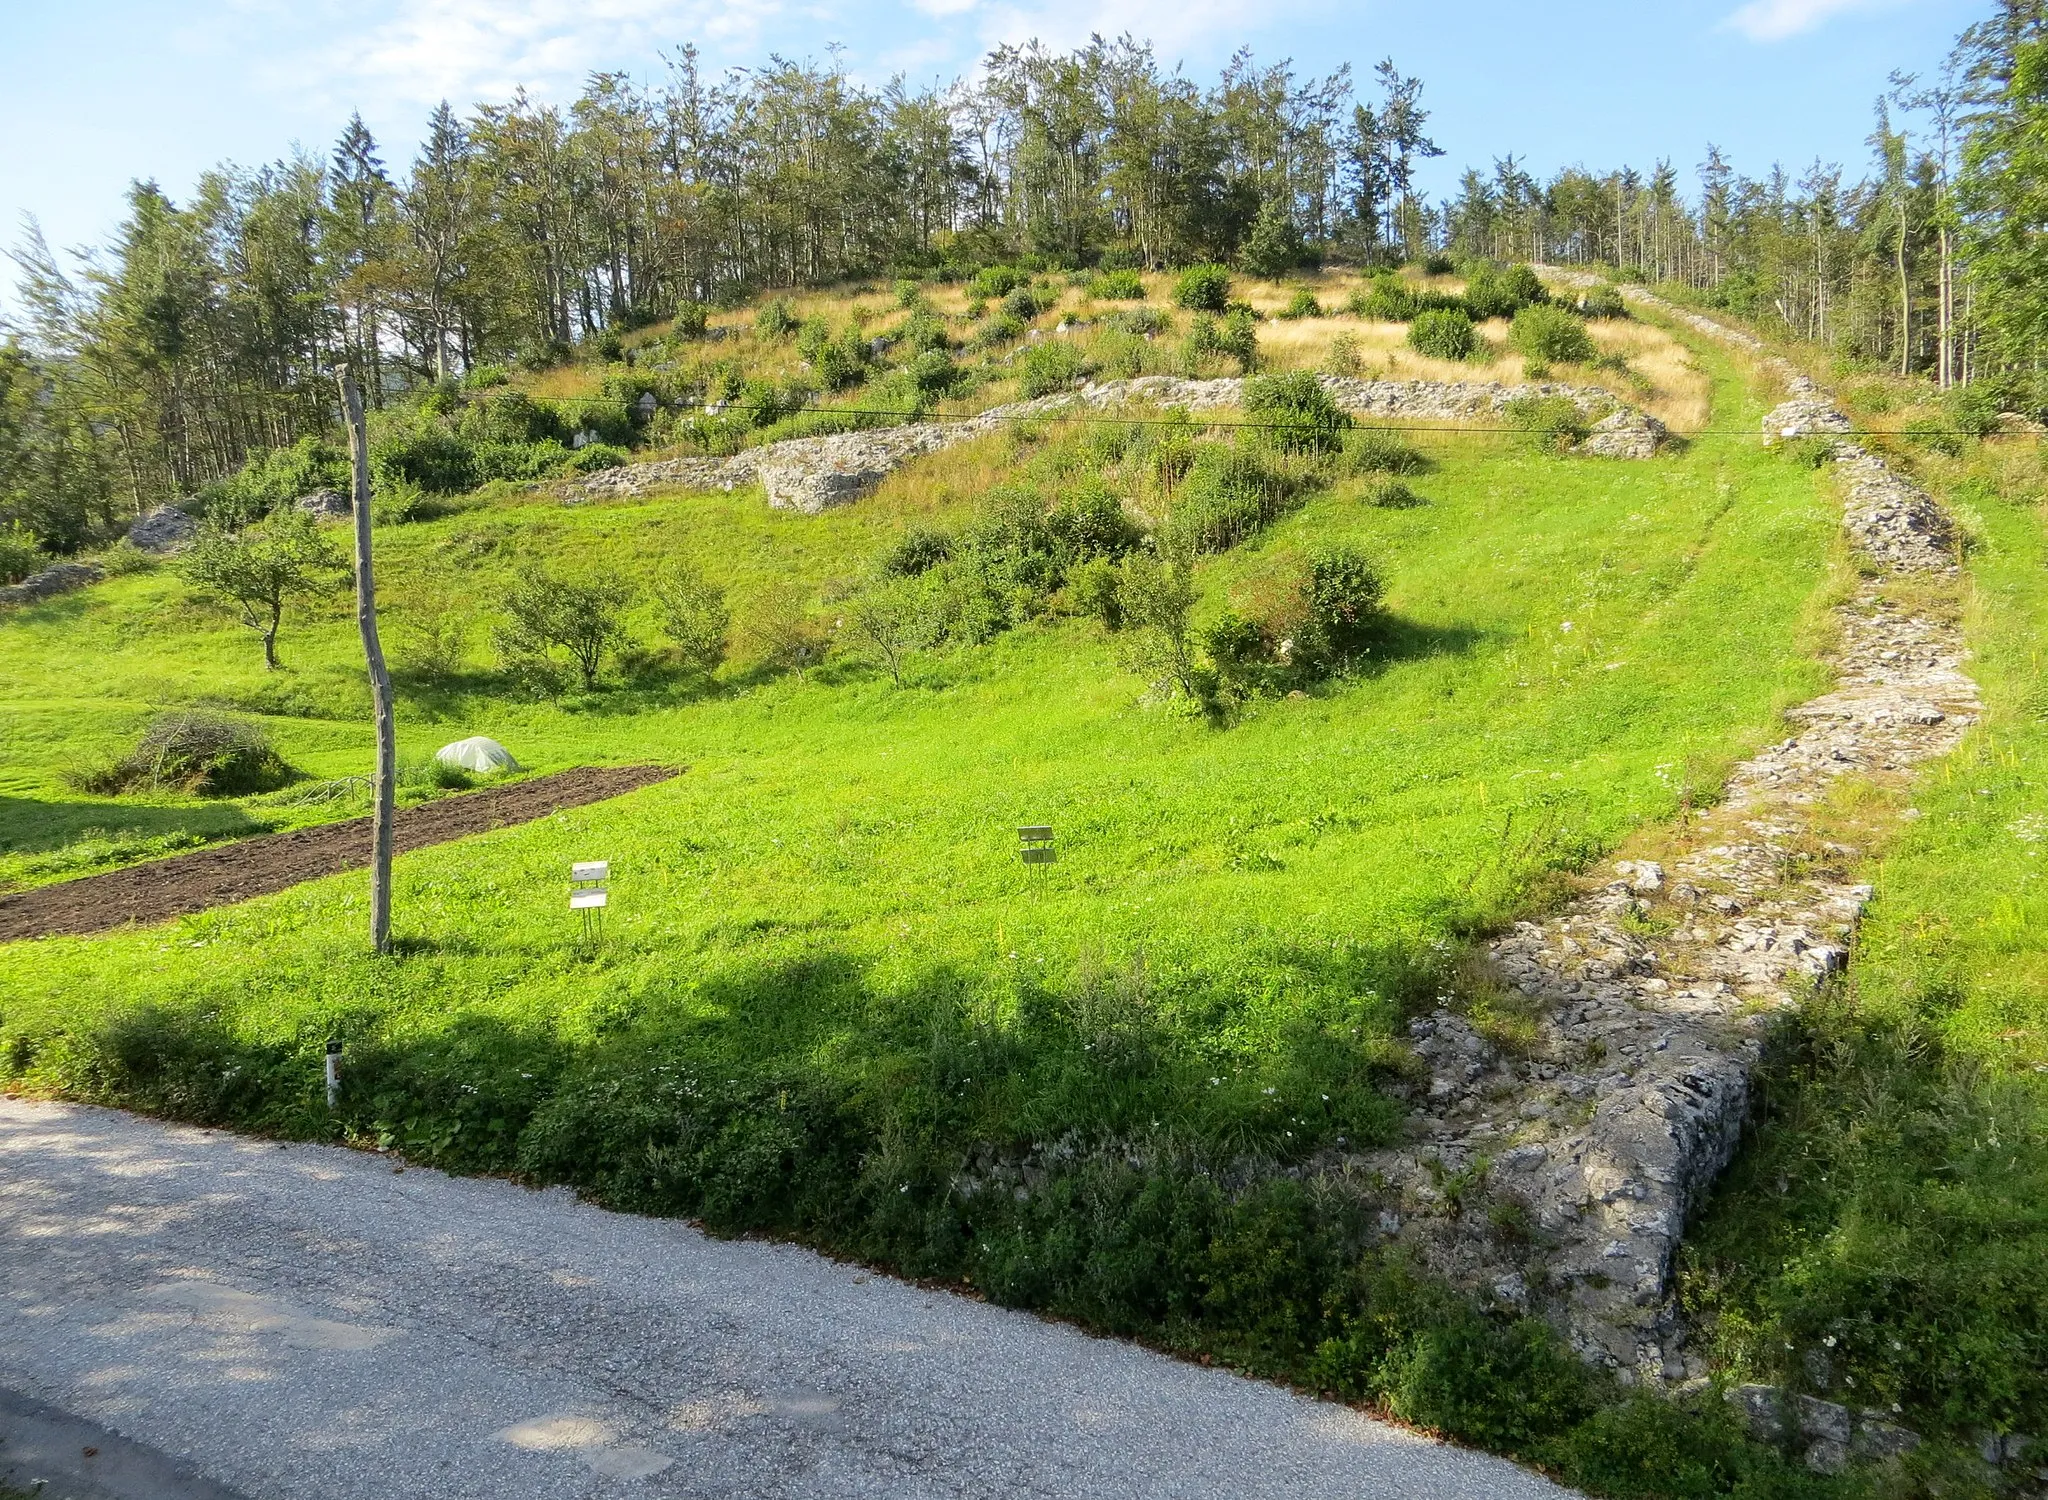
1442,333
262,569
583,617
1050,366
1548,334
694,617
1117,286
1297,415
1203,288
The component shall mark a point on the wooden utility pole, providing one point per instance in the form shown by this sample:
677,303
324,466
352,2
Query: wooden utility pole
380,675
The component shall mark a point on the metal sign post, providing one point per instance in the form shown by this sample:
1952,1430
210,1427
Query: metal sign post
1035,844
333,1074
587,894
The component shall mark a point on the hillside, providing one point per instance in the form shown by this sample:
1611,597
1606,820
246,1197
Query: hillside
830,1003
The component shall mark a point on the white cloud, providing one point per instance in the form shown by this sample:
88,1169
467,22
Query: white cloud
469,50
1775,20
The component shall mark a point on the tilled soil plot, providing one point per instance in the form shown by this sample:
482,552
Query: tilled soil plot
259,866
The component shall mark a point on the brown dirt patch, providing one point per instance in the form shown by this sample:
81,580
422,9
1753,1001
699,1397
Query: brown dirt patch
192,882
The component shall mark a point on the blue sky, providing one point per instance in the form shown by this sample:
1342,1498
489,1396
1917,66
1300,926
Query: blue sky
94,93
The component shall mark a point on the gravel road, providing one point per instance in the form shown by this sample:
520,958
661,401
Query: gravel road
305,1321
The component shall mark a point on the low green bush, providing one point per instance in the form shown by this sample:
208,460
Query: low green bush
427,456
1388,493
1227,496
916,550
1549,335
1495,292
20,553
1387,300
691,319
593,457
1050,366
1603,302
1553,423
1302,304
1138,320
1203,288
1001,329
1442,333
994,282
1118,286
1296,414
775,320
1376,450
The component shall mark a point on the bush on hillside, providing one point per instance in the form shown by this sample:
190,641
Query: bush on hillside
1227,497
1442,333
918,550
775,320
997,281
1138,320
582,617
1376,450
1203,288
1302,304
1089,521
1297,415
426,455
196,752
1117,286
20,553
694,617
1050,367
1342,595
1437,265
1554,423
1603,302
692,318
1549,335
1387,300
1274,246
1493,292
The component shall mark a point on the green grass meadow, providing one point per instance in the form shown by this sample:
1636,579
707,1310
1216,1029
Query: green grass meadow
830,1003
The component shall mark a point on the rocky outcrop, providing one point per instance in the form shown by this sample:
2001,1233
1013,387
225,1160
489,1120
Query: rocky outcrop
58,578
165,529
814,474
325,505
1559,1177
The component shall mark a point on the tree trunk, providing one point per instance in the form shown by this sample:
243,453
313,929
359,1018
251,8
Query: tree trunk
380,676
270,662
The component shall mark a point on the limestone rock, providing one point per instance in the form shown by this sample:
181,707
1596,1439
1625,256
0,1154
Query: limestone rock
58,578
1626,433
325,505
165,529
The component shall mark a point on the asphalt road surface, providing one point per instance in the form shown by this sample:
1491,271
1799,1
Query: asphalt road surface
304,1321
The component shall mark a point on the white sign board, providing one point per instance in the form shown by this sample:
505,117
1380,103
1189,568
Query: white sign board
591,869
585,900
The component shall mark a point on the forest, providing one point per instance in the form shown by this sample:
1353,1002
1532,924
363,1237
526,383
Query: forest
205,333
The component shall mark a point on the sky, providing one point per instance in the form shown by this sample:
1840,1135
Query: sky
95,94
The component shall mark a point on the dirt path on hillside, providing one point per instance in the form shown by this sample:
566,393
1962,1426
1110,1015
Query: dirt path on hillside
259,866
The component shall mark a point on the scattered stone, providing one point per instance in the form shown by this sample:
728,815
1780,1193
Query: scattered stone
58,578
325,505
165,529
1626,433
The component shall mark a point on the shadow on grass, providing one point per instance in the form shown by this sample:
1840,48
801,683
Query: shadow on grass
32,826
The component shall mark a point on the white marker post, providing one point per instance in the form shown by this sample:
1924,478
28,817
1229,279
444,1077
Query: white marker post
587,894
333,1074
1035,844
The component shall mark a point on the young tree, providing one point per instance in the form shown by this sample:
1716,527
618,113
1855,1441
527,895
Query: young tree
1157,601
262,568
885,622
694,616
581,616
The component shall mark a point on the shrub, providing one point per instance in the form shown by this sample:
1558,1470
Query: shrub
1972,409
1137,320
1345,356
886,621
1550,335
1089,521
781,632
1491,292
279,476
1935,435
1302,304
592,457
1049,367
1002,329
775,321
924,331
580,616
1392,494
1603,302
1375,450
909,294
1021,303
1387,300
692,318
511,417
1452,1378
1554,423
1117,286
1092,588
694,617
933,373
1342,596
1225,498
1297,414
439,462
196,752
483,377
521,462
918,550
1203,288
20,553
1437,265
1442,333
1156,601
997,281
